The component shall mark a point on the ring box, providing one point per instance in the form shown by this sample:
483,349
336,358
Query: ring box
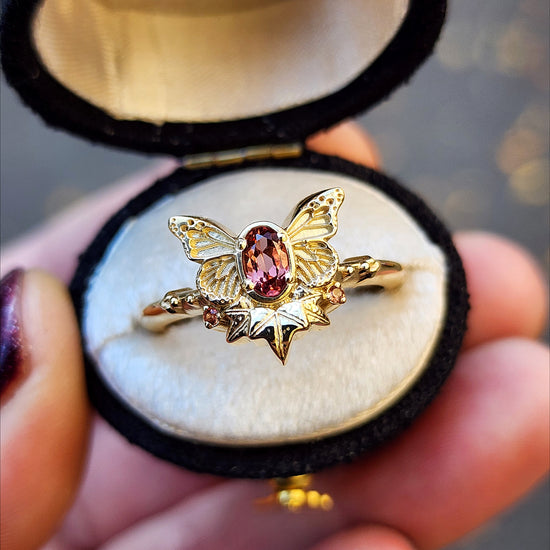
234,89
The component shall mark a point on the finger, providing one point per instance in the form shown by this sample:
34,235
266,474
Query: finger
44,409
227,517
508,294
55,246
125,478
90,521
370,537
269,530
497,252
480,446
348,141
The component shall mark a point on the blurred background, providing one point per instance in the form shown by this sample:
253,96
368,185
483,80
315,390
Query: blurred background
470,134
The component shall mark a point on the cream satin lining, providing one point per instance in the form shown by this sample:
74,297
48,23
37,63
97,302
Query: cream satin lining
191,61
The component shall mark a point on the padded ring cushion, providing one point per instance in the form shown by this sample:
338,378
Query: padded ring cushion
192,414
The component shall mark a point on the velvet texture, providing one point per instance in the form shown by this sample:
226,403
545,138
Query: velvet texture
292,459
61,108
173,378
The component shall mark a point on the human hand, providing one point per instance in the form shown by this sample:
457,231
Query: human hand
481,444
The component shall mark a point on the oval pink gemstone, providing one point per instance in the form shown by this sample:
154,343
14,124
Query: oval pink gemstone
265,261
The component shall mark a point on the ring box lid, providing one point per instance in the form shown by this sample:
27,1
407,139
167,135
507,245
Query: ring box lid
184,77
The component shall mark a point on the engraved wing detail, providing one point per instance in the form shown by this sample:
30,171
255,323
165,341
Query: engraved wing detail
210,244
313,223
218,279
316,262
316,216
202,239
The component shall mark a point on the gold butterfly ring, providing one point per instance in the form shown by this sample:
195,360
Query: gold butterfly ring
268,282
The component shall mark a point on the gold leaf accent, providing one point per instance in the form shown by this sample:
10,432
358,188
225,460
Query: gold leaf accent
314,313
276,326
239,324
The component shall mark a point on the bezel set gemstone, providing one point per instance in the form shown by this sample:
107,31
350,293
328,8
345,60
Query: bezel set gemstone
266,262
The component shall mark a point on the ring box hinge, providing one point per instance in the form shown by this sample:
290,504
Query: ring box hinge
237,156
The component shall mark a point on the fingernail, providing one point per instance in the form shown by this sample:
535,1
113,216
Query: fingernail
10,329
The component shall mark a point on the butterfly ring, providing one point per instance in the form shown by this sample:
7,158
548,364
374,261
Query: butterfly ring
268,282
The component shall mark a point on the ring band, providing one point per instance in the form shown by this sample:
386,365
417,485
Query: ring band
268,282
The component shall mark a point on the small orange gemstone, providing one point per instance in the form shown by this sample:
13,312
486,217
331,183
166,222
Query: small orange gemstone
211,317
336,295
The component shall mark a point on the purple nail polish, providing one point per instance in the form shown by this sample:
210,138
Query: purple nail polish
10,330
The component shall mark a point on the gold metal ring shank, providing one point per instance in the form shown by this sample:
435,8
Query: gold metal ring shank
356,272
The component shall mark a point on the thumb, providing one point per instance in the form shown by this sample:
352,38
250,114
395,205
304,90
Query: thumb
44,409
366,537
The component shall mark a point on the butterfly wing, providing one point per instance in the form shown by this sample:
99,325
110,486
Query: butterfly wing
316,217
315,262
313,223
218,279
208,243
202,239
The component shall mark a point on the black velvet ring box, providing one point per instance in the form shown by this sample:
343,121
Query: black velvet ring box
234,88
